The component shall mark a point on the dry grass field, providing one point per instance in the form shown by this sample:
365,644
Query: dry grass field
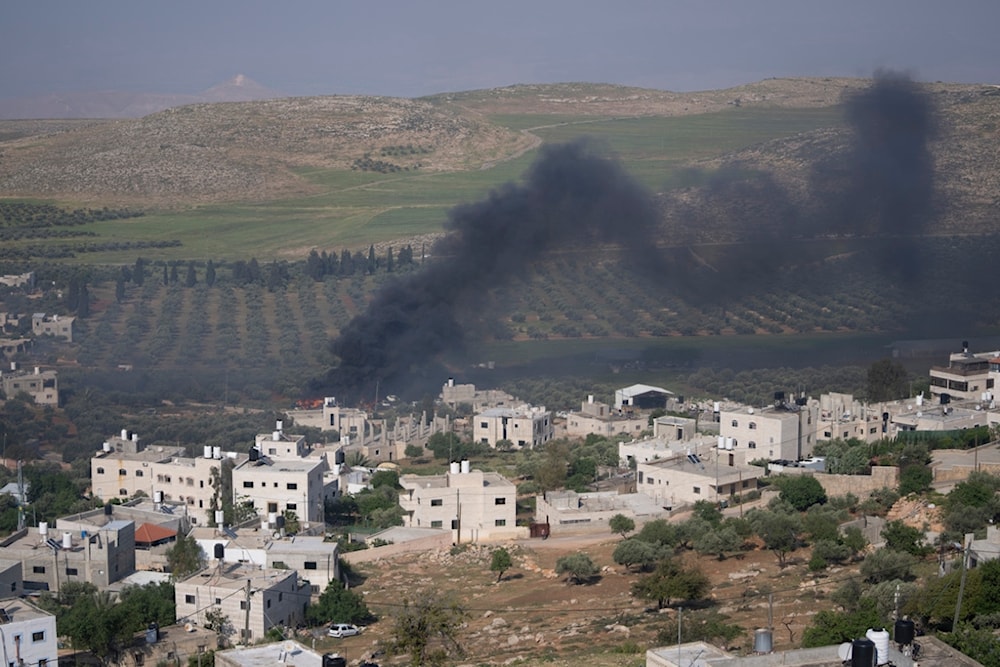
535,617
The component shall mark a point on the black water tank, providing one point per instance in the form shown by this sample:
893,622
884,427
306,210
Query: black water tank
254,453
862,653
903,632
945,399
220,551
334,660
108,510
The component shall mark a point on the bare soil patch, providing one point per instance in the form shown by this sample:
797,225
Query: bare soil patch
534,616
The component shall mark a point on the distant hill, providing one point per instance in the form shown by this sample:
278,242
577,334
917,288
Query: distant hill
119,104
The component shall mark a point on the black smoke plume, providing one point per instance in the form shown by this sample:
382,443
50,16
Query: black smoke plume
878,185
571,196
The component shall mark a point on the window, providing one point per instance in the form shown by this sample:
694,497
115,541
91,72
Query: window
268,605
697,490
218,600
753,426
100,471
122,492
122,472
292,486
736,424
189,599
309,565
247,485
138,473
483,425
243,604
44,662
499,501
649,480
38,636
752,445
500,522
272,507
71,572
436,524
437,502
272,451
291,507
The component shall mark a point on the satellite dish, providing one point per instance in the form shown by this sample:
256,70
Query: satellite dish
188,627
290,647
844,651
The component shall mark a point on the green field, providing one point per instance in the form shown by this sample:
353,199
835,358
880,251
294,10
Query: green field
354,209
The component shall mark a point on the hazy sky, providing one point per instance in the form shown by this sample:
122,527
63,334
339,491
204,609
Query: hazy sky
417,47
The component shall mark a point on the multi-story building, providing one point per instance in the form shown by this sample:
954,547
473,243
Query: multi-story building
27,634
782,432
315,559
684,480
474,505
454,395
276,486
525,426
125,466
351,423
967,377
52,557
253,599
600,419
60,326
42,386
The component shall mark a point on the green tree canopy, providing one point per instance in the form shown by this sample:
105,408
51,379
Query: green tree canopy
337,604
578,567
185,557
635,552
778,530
500,562
427,630
621,524
802,492
887,381
671,581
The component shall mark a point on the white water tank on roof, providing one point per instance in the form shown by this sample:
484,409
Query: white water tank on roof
454,468
207,451
67,541
216,452
465,466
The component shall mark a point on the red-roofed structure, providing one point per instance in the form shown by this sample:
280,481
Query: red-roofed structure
150,535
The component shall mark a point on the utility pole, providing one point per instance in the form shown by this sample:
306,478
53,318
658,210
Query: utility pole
246,618
961,587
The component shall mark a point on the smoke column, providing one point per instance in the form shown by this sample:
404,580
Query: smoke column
571,196
880,187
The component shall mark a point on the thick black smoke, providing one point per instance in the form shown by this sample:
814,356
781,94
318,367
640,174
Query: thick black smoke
571,196
888,173
879,186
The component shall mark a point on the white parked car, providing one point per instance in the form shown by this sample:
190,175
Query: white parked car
339,630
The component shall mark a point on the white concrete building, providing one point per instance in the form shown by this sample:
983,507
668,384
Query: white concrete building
783,432
659,449
315,559
51,556
967,377
276,486
475,505
126,466
684,480
60,326
27,634
289,653
454,395
524,426
274,598
601,419
42,386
